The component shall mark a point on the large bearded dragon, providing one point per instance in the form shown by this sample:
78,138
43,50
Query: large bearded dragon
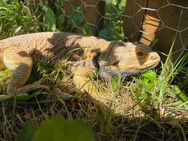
89,54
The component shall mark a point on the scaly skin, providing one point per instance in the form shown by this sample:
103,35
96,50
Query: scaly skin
91,54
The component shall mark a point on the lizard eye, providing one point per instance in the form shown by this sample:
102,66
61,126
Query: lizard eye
140,54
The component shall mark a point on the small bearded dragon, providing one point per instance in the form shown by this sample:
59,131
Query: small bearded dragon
92,54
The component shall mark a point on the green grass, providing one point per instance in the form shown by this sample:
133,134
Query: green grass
155,92
151,106
16,18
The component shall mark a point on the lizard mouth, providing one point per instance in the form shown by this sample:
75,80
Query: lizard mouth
125,72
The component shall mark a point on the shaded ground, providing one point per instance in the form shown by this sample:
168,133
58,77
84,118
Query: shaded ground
113,117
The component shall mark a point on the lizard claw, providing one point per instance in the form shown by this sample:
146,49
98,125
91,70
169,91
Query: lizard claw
30,87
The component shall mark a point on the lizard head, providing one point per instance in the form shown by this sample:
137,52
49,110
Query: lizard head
130,58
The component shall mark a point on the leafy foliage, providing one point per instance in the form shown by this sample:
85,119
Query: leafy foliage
55,21
49,19
16,18
77,17
57,129
152,90
27,132
113,28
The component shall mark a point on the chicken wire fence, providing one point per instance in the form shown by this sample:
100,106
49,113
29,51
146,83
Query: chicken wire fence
158,23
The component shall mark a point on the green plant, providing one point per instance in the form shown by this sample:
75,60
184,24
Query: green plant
113,28
55,21
112,117
16,18
154,91
116,82
57,129
49,19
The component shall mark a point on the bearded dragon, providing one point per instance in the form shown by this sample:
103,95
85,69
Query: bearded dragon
88,54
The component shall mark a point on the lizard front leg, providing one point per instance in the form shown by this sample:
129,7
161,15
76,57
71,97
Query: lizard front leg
82,81
20,62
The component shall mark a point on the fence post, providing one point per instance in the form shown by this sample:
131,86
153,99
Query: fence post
158,20
133,19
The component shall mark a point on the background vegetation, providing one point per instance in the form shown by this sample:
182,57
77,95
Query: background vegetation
151,106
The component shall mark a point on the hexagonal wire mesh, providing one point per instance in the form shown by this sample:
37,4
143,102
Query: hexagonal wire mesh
158,22
150,22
